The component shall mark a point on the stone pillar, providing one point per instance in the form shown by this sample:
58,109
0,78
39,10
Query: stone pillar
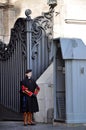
7,19
1,24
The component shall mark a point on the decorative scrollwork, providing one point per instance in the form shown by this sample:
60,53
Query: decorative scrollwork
17,34
20,29
2,49
45,22
36,33
27,13
42,25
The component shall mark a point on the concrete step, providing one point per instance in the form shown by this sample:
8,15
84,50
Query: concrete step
7,114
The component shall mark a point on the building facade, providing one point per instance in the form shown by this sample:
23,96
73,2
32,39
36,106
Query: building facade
69,18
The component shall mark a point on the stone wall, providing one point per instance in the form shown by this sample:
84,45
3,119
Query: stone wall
76,12
45,97
7,19
69,18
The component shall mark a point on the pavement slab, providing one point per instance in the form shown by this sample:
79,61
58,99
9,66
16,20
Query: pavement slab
12,125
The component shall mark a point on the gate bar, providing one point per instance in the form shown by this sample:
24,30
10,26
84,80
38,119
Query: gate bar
29,37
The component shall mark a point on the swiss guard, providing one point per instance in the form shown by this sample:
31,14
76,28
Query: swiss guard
29,91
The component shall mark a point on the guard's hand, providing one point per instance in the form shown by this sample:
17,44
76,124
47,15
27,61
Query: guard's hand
33,95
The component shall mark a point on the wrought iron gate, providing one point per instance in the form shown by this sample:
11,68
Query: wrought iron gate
12,66
29,47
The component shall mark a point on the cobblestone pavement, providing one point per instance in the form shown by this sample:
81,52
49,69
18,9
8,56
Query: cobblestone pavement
12,125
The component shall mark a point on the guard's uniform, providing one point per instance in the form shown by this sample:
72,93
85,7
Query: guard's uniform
28,99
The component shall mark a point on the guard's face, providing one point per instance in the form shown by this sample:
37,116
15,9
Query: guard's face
29,75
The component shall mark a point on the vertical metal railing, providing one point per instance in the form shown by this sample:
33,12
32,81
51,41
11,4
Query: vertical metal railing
13,66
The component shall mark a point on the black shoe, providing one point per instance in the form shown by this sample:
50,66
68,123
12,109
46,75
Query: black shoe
29,124
33,123
25,124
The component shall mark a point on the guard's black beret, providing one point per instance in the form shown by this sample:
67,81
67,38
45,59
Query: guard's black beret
28,71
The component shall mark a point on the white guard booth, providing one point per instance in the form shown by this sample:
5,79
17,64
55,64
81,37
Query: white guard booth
70,80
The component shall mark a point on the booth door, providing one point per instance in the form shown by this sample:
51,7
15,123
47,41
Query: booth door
60,86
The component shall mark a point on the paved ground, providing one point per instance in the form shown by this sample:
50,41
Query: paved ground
10,125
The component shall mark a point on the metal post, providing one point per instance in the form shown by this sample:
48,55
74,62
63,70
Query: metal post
29,36
52,4
55,80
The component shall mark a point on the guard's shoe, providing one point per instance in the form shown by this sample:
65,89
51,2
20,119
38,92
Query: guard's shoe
25,124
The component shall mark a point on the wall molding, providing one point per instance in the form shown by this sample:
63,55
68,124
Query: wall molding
75,21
